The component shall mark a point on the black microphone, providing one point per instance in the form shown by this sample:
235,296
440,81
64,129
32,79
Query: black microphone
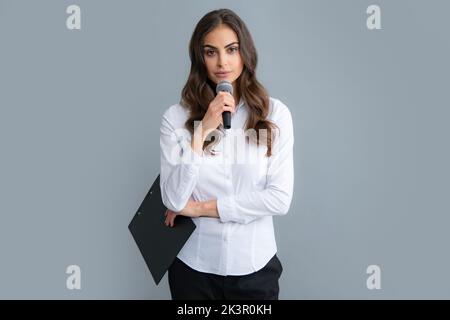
226,115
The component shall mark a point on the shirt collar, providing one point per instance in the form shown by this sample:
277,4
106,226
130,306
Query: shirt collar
240,104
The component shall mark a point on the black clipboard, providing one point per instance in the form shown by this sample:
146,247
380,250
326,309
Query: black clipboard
158,243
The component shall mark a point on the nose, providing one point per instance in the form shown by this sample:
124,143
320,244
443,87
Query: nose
221,61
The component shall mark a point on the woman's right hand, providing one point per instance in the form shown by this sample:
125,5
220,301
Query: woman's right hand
223,101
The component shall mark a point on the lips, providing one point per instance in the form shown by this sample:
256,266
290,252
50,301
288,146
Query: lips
222,74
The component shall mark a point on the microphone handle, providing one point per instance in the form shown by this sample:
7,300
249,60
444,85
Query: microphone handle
226,117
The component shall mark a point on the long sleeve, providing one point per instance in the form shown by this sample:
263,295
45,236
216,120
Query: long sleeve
179,163
276,197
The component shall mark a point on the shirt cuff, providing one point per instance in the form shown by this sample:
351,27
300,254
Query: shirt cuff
226,207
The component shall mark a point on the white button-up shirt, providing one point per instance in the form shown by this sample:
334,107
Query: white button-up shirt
249,187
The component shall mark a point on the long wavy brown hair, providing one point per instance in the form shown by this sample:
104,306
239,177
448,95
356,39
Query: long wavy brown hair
199,90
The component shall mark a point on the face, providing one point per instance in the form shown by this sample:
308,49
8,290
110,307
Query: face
222,55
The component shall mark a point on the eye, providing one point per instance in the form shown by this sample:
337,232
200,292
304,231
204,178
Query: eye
234,49
209,53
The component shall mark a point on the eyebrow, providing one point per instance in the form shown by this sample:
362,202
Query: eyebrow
210,46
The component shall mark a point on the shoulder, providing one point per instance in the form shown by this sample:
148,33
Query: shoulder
176,115
279,112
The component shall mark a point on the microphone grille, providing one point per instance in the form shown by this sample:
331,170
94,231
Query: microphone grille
224,86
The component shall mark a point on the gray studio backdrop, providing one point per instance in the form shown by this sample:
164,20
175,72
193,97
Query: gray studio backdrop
79,139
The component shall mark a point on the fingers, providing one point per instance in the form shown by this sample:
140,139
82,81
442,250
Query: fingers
224,94
170,218
229,101
226,99
227,108
221,108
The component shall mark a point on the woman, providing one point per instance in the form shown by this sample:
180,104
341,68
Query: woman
232,252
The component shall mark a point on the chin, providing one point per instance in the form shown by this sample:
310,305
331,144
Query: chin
229,79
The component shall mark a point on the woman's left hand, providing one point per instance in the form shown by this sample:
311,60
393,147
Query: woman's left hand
188,211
